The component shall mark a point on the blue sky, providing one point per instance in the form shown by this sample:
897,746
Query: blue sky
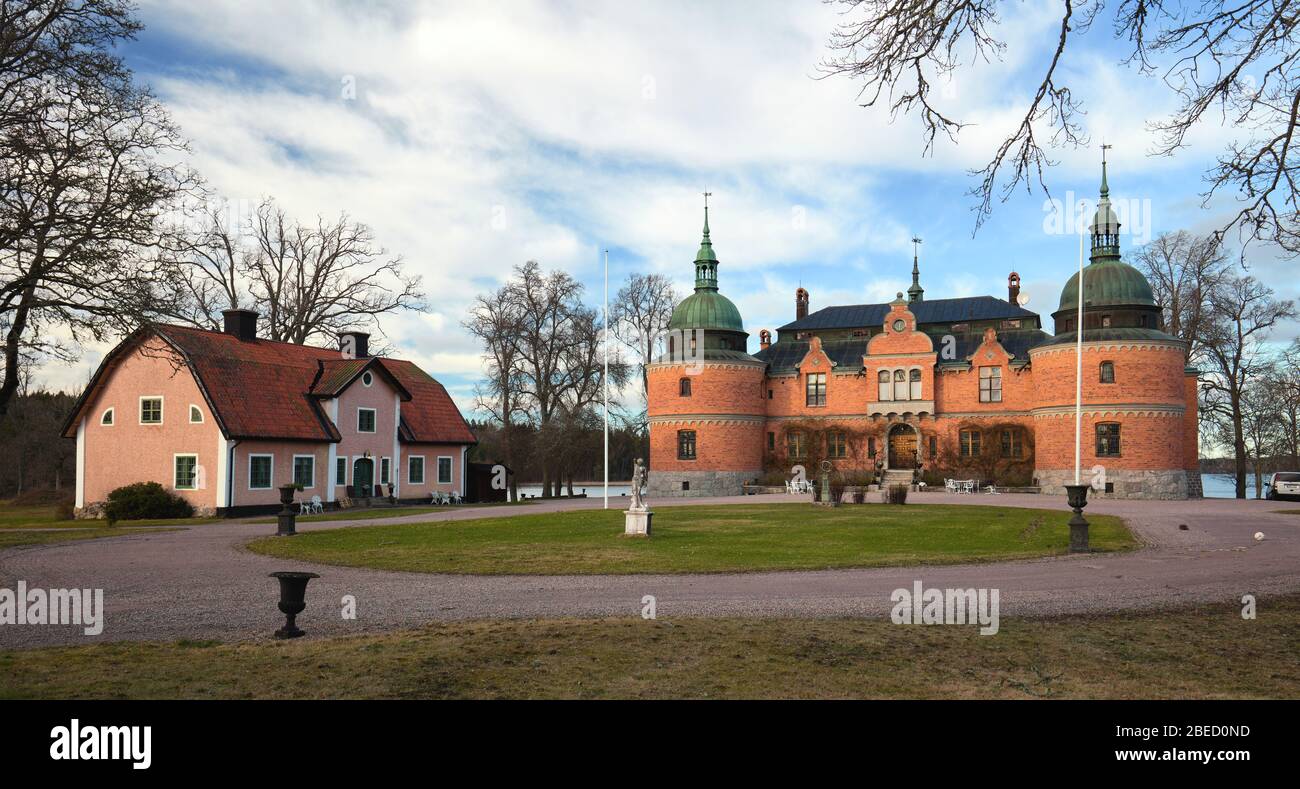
473,137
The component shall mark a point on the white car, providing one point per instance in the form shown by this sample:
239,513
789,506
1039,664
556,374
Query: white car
1283,485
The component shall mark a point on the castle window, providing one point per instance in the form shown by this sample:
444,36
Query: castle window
837,445
769,394
1108,439
684,387
934,443
1105,321
771,440
884,393
685,444
1108,372
1012,444
794,445
900,385
970,443
990,384
816,389
871,446
914,381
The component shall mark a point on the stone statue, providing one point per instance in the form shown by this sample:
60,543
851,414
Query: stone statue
638,483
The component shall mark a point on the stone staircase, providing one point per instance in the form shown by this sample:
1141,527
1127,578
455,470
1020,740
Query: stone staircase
899,476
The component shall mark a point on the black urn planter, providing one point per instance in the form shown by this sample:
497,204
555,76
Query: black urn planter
1077,496
293,599
287,517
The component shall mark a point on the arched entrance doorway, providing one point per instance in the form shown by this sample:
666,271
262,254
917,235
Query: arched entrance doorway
363,477
903,445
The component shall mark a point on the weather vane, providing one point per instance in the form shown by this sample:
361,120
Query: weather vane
915,241
706,198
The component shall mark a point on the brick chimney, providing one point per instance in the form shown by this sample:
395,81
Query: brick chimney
1013,288
764,339
355,344
241,323
800,304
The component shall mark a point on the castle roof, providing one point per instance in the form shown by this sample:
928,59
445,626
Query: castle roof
958,310
784,356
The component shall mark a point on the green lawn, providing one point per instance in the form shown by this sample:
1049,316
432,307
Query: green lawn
11,538
370,513
1202,652
46,517
703,539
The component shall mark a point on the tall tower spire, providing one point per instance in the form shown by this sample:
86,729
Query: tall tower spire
1105,224
706,262
916,292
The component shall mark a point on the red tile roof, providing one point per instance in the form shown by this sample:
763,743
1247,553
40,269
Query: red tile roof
261,389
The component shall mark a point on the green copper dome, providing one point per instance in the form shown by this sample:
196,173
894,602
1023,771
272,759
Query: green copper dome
706,309
1108,283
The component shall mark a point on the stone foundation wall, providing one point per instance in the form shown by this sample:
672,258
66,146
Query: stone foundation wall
1170,484
668,484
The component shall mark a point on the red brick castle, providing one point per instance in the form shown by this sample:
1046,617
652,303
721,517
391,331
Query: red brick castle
962,388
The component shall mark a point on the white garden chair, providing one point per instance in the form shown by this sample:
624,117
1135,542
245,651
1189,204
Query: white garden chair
950,485
317,505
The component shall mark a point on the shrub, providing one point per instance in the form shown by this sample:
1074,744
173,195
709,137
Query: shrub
145,500
896,494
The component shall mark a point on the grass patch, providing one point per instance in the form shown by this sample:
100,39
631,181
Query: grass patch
1288,512
370,513
12,538
1202,652
46,517
732,538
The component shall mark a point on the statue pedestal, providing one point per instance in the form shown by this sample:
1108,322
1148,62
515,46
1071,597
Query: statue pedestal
637,522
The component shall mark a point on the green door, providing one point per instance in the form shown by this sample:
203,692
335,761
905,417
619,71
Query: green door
363,477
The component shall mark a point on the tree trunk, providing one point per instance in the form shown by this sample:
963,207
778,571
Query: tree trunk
1239,447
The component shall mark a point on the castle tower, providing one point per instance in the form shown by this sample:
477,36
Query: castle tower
706,406
1134,438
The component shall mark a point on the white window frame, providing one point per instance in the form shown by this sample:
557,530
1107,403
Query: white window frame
374,411
162,409
451,469
385,465
294,468
885,388
111,413
367,378
341,481
270,478
194,407
178,455
424,470
904,383
914,387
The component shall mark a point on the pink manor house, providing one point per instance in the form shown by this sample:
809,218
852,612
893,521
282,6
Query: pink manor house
224,418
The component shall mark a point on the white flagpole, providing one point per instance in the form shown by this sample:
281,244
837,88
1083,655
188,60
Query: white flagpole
606,379
1078,370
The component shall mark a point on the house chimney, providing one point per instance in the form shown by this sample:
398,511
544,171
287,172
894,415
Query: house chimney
355,344
764,339
800,304
241,323
1013,288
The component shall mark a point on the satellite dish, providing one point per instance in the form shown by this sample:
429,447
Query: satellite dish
1022,298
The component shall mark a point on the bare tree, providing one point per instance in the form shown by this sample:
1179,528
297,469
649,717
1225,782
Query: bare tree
1243,313
1236,61
84,183
641,312
1183,271
309,281
494,320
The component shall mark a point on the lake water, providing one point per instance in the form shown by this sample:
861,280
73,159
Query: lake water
1224,486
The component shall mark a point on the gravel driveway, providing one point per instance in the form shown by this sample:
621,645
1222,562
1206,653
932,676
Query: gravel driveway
200,583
